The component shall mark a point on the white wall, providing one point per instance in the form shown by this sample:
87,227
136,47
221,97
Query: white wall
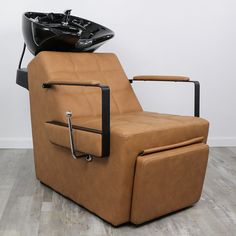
194,38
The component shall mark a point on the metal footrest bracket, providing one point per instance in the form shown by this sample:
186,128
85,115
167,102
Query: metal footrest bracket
88,157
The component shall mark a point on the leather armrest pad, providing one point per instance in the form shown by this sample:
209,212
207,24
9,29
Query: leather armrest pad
160,78
61,82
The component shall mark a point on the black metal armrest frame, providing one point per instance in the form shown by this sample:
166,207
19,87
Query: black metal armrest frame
105,132
196,92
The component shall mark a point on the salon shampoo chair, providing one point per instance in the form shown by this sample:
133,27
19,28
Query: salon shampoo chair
94,144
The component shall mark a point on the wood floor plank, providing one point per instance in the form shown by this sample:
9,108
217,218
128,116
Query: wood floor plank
20,216
29,208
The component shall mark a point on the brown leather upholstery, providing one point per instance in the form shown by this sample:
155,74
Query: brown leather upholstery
172,146
142,127
86,142
161,78
106,186
168,181
61,82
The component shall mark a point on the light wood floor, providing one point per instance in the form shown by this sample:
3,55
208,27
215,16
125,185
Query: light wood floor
30,208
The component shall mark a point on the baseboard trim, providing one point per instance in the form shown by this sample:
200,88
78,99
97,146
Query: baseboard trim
20,143
27,142
222,141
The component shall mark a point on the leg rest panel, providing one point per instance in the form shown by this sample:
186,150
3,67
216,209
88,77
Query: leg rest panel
168,181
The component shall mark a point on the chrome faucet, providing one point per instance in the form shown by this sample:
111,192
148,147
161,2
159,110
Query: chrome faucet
66,17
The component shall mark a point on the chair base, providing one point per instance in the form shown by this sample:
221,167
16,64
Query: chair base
164,182
123,224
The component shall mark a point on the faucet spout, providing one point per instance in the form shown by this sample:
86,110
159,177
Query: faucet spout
66,17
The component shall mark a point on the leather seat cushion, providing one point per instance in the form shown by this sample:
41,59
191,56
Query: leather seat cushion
143,130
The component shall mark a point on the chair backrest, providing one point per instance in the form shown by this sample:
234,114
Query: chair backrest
63,66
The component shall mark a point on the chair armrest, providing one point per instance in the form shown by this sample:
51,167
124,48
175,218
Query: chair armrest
160,78
74,83
175,79
105,132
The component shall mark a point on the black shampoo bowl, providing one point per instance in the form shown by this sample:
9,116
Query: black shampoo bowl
62,32
59,32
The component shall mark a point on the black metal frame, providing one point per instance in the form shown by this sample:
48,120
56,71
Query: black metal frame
22,73
105,132
196,92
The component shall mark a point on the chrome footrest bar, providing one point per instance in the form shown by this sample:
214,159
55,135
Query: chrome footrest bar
88,157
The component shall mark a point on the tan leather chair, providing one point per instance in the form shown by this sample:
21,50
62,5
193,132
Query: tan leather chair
129,165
